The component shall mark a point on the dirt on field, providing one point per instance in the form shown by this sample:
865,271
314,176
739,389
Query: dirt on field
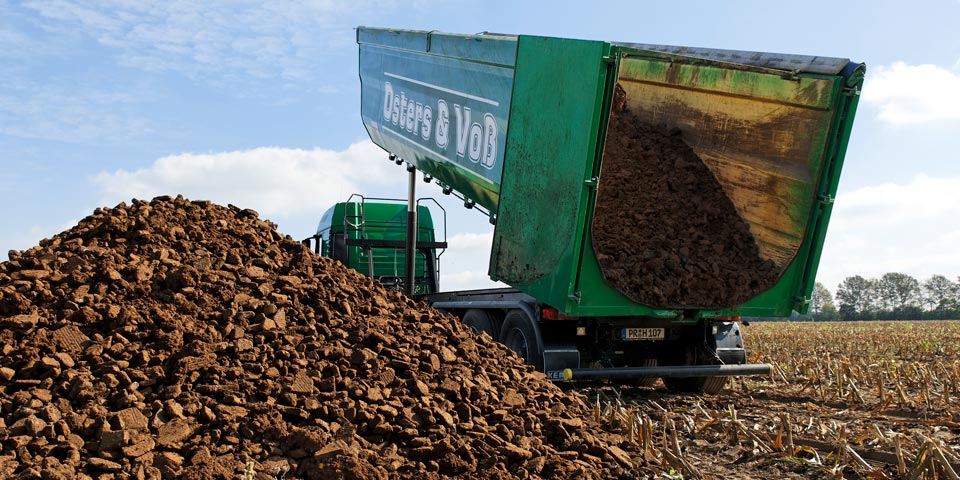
664,232
179,339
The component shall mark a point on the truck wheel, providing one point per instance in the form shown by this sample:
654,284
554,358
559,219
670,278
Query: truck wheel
482,321
711,385
519,334
647,381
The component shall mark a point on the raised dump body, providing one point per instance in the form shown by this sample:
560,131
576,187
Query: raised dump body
624,179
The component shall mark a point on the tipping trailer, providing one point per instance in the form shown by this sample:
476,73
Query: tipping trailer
644,197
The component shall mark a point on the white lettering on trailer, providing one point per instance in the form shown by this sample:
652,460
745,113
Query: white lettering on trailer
463,124
395,113
474,140
443,124
490,145
426,126
387,100
411,115
476,137
416,127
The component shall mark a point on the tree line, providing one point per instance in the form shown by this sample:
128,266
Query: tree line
894,296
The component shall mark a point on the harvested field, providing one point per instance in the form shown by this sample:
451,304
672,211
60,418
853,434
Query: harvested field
847,400
178,339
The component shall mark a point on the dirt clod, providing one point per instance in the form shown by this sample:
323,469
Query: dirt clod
181,339
664,232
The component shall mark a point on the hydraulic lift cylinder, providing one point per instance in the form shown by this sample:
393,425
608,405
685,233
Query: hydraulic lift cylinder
409,285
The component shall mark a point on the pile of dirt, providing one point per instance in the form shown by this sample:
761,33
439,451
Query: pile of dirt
664,232
182,339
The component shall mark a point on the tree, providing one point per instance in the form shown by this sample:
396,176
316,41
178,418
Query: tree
939,296
899,295
956,296
829,313
894,296
821,304
855,298
871,303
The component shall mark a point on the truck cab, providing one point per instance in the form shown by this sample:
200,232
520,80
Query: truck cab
369,236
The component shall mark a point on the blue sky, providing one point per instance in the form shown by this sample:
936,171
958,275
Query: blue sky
257,104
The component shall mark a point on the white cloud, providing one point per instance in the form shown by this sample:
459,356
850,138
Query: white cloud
466,280
221,43
67,114
293,187
24,238
910,94
62,62
465,263
951,239
889,205
30,236
14,44
280,182
909,227
472,242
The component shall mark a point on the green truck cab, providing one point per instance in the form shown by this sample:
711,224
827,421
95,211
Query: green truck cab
368,235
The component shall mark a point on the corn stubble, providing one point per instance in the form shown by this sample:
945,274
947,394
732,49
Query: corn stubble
845,400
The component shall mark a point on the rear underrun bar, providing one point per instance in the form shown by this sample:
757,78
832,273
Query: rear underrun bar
668,371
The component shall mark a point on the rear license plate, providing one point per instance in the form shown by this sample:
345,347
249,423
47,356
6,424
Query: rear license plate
642,334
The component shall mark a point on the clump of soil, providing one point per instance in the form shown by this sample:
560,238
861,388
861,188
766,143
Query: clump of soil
179,339
664,232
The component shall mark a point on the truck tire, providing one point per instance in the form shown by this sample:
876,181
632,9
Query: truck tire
647,381
519,334
711,385
482,321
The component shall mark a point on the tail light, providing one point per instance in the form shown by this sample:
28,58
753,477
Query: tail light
550,313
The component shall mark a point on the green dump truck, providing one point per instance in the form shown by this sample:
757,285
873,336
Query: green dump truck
644,197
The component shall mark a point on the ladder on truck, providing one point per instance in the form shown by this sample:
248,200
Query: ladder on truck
355,218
